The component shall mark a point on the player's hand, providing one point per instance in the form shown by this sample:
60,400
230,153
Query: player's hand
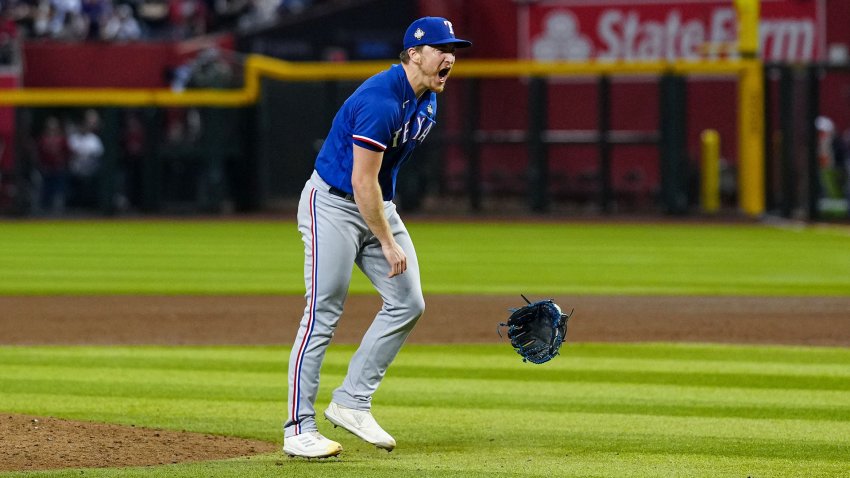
396,258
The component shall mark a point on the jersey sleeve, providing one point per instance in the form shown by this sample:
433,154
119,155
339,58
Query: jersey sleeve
375,117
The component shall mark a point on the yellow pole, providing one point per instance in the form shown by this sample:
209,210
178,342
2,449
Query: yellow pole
748,26
750,112
710,172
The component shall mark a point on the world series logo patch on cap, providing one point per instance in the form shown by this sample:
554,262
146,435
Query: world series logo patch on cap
418,34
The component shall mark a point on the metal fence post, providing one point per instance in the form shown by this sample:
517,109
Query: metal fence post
769,153
538,164
111,137
604,123
673,144
813,110
471,146
786,121
151,170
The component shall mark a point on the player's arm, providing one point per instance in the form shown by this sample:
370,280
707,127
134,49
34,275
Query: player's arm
370,201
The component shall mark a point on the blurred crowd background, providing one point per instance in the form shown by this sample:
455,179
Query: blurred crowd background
135,20
84,160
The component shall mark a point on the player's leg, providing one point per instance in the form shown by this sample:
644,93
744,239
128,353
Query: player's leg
403,305
330,249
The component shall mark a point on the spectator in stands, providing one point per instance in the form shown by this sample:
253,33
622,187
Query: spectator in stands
8,35
41,16
64,15
134,145
77,20
178,77
86,152
226,13
52,162
154,17
293,6
20,12
180,156
210,70
96,12
121,26
188,18
74,27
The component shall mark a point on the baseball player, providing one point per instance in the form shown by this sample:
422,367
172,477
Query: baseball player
346,216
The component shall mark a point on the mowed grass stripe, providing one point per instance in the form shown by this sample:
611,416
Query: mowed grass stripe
259,376
155,390
463,425
664,257
192,414
543,462
148,257
478,391
486,394
672,417
459,425
265,358
635,375
497,396
240,372
518,462
154,358
722,380
680,352
474,368
576,363
567,369
250,257
615,399
130,365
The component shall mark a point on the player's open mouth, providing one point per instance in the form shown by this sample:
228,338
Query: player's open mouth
444,73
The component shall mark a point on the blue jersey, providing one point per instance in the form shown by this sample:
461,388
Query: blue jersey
383,114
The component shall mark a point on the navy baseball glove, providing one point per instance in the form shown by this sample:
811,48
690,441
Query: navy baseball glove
537,330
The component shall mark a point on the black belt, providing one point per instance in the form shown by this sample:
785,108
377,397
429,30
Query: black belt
341,193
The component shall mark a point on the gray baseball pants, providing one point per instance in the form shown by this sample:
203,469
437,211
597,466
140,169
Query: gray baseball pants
335,237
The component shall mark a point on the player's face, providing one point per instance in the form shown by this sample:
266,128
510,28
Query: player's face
436,65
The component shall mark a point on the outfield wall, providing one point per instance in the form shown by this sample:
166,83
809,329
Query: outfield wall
285,144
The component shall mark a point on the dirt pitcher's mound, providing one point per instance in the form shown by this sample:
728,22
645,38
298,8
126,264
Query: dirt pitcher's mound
44,443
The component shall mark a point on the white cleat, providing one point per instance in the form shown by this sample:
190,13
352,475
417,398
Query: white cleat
361,423
311,445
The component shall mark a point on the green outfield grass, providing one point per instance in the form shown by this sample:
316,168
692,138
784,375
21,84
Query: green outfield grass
195,257
641,410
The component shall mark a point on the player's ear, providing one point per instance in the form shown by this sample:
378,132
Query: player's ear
414,54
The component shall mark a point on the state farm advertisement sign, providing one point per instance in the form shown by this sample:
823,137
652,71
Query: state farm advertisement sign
789,30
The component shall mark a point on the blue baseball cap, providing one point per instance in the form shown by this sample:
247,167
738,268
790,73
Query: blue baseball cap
432,31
